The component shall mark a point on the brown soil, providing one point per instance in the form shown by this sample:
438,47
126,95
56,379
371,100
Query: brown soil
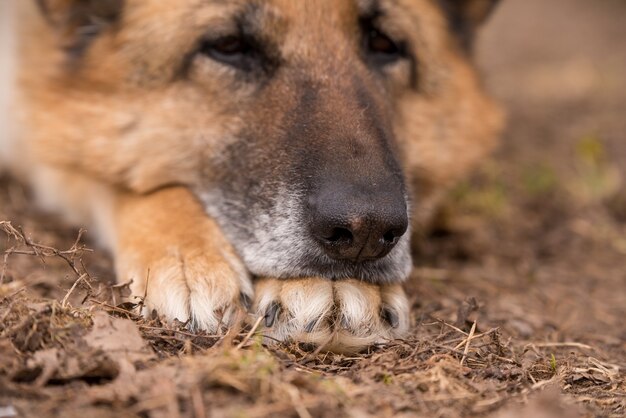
519,294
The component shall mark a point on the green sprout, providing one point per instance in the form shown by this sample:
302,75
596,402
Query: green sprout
387,379
553,363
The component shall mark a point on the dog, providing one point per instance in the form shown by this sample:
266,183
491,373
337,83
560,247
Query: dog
273,156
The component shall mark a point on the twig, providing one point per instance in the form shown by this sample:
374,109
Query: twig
565,344
249,334
542,383
441,321
110,307
185,333
296,401
70,256
198,403
69,292
142,301
469,340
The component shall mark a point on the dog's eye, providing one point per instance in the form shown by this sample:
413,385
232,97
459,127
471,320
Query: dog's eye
378,46
231,50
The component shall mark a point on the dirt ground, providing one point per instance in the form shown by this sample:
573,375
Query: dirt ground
519,294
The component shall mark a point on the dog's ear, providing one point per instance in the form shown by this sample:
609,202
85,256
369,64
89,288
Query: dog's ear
79,21
466,16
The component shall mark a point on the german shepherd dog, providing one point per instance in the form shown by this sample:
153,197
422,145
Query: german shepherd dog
263,155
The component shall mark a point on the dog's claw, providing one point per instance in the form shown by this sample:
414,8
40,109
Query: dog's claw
271,314
343,321
310,326
390,316
245,300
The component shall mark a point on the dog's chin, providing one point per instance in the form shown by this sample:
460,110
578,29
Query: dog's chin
393,268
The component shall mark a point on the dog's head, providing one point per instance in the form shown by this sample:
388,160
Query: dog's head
313,131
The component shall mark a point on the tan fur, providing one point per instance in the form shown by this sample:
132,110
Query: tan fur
118,143
186,269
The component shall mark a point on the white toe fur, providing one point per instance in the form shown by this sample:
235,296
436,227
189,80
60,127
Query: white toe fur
206,295
344,316
296,309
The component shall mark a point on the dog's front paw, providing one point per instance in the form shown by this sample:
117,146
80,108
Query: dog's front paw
340,316
203,289
178,258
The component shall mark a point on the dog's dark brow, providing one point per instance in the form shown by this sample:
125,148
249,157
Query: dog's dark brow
250,19
368,7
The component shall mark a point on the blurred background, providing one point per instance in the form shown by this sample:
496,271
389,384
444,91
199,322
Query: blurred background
540,231
560,69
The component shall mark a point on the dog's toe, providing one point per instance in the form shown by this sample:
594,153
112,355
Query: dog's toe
295,309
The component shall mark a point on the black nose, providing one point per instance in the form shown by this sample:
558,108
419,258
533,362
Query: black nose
357,225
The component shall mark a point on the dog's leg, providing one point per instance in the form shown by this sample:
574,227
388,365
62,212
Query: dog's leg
341,316
164,242
178,258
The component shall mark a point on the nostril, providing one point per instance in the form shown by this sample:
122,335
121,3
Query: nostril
340,236
391,237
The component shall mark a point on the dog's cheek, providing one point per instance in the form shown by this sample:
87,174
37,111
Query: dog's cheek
444,137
